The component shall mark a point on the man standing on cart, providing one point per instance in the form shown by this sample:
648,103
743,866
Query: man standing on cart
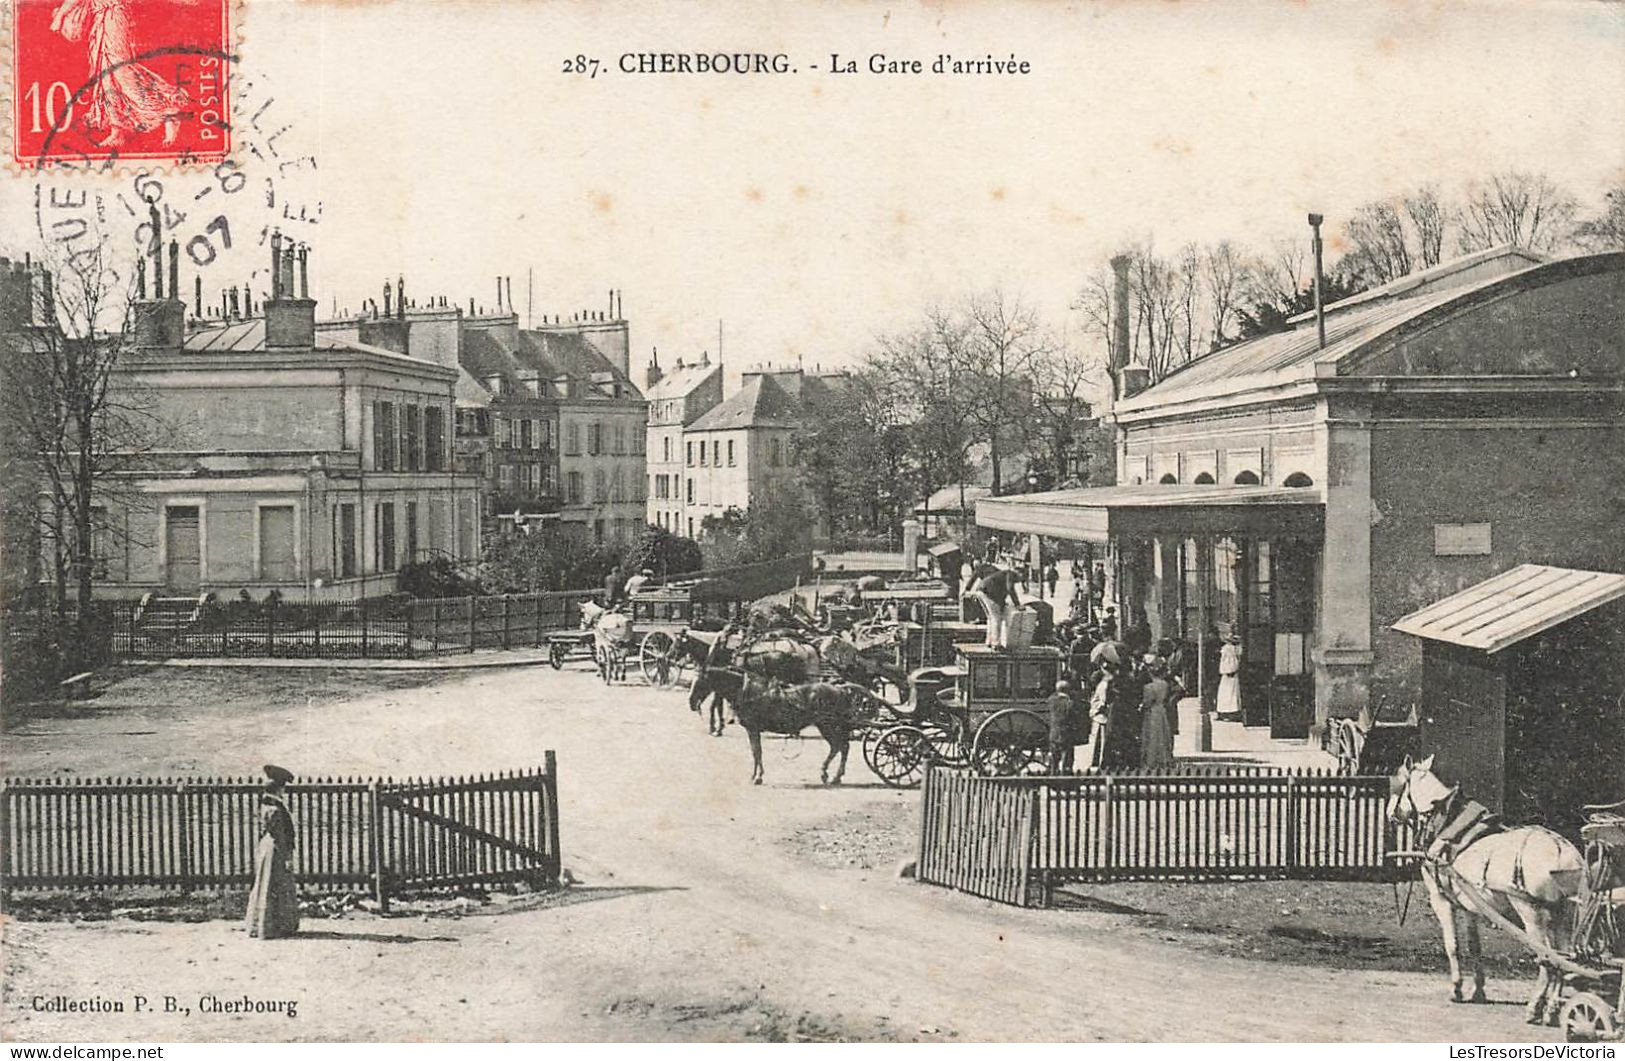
993,587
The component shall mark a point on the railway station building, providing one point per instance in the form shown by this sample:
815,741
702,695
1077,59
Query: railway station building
1302,494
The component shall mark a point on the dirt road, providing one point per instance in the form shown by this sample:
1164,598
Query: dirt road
707,908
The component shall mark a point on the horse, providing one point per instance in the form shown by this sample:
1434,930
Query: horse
766,705
781,659
1527,872
611,631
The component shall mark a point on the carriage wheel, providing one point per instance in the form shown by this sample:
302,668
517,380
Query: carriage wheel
556,653
901,756
1588,1019
949,744
655,657
1011,743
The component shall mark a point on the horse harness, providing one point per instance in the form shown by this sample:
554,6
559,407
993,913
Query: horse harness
1451,827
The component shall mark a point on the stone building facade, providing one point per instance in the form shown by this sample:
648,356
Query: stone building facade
1304,496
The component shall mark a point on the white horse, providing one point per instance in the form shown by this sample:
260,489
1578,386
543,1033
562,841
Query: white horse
611,632
1527,874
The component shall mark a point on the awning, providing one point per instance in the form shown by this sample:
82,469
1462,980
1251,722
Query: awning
1514,605
1100,513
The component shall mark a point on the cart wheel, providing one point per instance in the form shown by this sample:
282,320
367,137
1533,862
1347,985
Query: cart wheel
901,756
555,654
949,744
1010,743
1588,1019
654,657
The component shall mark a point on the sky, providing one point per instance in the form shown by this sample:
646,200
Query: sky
811,212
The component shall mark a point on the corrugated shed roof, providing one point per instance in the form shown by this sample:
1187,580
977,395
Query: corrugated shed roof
1294,355
761,402
1514,605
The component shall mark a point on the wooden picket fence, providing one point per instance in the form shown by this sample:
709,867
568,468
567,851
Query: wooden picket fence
1016,839
381,836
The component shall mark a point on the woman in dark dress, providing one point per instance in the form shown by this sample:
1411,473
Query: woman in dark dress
273,902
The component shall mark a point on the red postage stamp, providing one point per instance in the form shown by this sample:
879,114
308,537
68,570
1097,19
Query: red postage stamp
120,79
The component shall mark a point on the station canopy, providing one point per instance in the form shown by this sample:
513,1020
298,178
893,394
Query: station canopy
1100,513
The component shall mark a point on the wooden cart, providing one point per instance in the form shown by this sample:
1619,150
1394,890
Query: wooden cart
663,618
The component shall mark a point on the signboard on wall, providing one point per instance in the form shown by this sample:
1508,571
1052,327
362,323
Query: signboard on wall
1461,539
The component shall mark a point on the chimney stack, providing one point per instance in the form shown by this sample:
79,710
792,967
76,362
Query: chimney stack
197,296
174,270
388,305
400,297
157,250
290,321
304,270
235,305
509,283
276,263
1320,305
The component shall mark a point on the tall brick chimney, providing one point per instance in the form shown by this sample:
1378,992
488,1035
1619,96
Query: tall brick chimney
290,320
1119,359
652,374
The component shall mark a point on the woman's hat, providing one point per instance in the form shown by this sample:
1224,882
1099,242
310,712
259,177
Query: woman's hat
278,774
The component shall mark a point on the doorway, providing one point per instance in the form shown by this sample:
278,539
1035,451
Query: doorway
183,553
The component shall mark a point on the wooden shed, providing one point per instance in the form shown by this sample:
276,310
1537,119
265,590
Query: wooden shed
1523,691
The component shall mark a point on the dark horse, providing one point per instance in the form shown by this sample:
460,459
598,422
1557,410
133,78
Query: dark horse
780,659
766,705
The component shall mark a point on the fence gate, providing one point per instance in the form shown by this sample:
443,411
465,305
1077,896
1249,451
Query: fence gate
976,837
475,830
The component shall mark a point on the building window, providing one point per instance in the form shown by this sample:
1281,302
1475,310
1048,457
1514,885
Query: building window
703,461
775,455
572,438
1297,479
595,438
600,487
526,439
505,477
101,543
573,484
1204,479
716,452
690,447
384,516
411,531
344,531
1168,479
598,530
691,526
691,491
277,557
434,439
384,440
730,453
665,448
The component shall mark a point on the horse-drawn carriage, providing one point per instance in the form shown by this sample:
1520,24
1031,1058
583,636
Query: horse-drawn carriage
988,711
1367,747
1594,1006
667,621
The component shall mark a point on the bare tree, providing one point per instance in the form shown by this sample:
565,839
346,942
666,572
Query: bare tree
1001,339
1378,248
1516,207
1429,218
1226,273
1062,380
77,428
1605,231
